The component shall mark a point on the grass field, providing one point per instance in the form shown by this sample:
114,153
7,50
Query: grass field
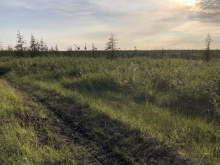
26,134
127,111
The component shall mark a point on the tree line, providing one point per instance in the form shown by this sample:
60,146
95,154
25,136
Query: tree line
37,46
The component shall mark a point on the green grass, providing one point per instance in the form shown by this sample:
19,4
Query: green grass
29,134
175,100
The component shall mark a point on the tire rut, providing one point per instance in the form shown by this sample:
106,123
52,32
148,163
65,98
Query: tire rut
108,141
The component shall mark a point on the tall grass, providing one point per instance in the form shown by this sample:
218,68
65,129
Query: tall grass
27,136
175,100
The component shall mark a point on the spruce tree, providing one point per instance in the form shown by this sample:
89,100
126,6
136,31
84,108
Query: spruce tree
93,50
38,45
9,48
56,48
19,46
1,47
111,45
208,41
43,46
34,46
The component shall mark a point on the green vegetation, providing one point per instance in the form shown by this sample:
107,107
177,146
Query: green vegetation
19,48
29,134
168,106
208,41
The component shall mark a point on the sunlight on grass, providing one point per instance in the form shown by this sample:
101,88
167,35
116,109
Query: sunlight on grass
20,143
171,99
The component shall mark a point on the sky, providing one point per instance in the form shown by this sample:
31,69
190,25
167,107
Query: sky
147,24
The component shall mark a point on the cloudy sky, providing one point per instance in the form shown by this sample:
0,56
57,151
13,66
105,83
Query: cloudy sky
147,24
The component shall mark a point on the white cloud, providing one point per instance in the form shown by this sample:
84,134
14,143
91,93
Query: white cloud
185,2
144,23
196,27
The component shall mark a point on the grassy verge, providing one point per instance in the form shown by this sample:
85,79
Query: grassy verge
176,101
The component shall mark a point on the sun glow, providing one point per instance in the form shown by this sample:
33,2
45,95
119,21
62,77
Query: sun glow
186,2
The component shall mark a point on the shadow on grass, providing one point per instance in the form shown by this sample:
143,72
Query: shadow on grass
110,141
94,84
4,70
110,88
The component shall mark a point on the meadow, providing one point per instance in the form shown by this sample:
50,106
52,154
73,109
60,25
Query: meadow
137,110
